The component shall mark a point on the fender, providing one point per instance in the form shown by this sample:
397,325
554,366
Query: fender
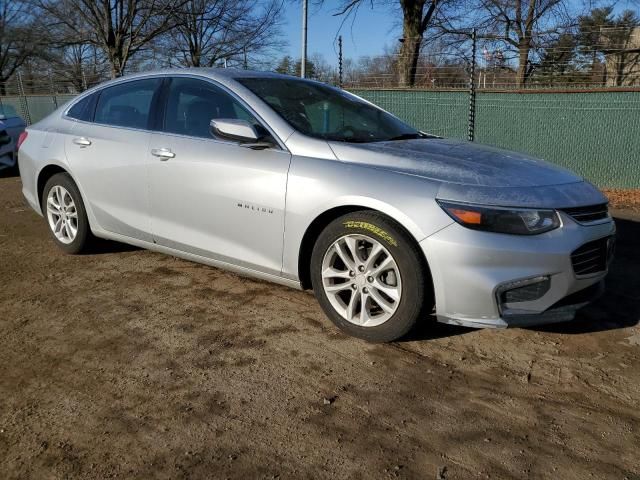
54,162
317,186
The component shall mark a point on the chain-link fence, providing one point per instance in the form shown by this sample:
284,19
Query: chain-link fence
34,97
583,59
578,107
595,134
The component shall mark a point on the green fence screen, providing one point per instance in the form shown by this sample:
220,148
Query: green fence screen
596,134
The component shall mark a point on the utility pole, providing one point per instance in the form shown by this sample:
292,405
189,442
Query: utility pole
303,62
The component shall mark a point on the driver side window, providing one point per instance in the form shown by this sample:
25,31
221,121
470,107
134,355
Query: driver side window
192,104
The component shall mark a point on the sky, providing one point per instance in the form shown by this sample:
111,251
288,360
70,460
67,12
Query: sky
370,33
373,30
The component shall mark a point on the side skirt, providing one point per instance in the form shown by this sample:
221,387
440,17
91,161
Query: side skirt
244,271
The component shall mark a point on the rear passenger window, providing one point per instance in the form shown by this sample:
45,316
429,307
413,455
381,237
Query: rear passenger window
83,110
128,104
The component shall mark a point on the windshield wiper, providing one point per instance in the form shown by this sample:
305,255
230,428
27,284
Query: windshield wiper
405,136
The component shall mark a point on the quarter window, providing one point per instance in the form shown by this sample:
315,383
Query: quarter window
127,104
83,110
192,104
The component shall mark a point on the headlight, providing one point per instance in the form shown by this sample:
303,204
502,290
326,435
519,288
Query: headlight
516,221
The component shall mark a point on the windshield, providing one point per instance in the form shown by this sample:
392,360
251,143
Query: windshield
328,113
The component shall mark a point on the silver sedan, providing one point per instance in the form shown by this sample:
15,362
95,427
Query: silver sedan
309,186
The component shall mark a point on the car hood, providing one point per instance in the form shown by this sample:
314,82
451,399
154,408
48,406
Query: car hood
455,161
475,173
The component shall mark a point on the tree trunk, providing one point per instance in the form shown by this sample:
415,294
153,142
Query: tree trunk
117,64
620,64
523,63
412,39
195,57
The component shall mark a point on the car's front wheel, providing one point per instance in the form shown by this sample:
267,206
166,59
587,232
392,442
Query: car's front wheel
368,276
66,216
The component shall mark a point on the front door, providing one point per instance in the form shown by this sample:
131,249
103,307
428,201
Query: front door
215,198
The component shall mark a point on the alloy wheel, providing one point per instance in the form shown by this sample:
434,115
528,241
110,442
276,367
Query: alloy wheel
62,214
361,280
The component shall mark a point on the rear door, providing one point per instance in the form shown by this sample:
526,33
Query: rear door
210,197
108,152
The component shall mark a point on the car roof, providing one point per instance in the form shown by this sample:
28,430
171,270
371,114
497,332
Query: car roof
214,73
223,75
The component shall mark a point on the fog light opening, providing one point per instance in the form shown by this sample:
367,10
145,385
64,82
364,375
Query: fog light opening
520,291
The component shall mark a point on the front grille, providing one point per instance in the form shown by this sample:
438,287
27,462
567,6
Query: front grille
581,296
592,257
588,214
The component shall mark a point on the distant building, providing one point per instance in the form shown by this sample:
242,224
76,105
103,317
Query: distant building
623,58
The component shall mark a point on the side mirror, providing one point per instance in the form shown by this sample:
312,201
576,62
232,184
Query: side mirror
238,131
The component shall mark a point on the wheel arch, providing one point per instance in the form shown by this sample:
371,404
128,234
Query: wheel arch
320,222
43,177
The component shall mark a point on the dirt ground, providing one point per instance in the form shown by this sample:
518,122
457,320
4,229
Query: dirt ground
624,198
131,364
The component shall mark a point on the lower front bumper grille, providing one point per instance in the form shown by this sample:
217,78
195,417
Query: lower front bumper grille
592,257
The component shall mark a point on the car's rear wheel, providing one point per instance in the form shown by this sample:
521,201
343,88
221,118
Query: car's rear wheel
369,277
66,216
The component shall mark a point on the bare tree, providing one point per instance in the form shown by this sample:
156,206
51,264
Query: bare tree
119,28
322,70
77,67
17,39
523,25
208,31
417,17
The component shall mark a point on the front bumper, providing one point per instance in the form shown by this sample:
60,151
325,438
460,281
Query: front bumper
7,157
470,269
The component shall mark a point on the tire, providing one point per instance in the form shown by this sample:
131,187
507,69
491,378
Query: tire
401,285
74,217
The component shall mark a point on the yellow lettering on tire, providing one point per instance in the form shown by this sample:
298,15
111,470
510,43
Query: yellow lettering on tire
373,229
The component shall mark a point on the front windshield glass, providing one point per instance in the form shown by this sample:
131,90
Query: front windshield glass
324,112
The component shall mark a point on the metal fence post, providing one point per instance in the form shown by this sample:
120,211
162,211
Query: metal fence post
54,98
340,61
23,100
472,88
84,79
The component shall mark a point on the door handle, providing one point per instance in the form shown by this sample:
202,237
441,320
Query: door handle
82,141
163,153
